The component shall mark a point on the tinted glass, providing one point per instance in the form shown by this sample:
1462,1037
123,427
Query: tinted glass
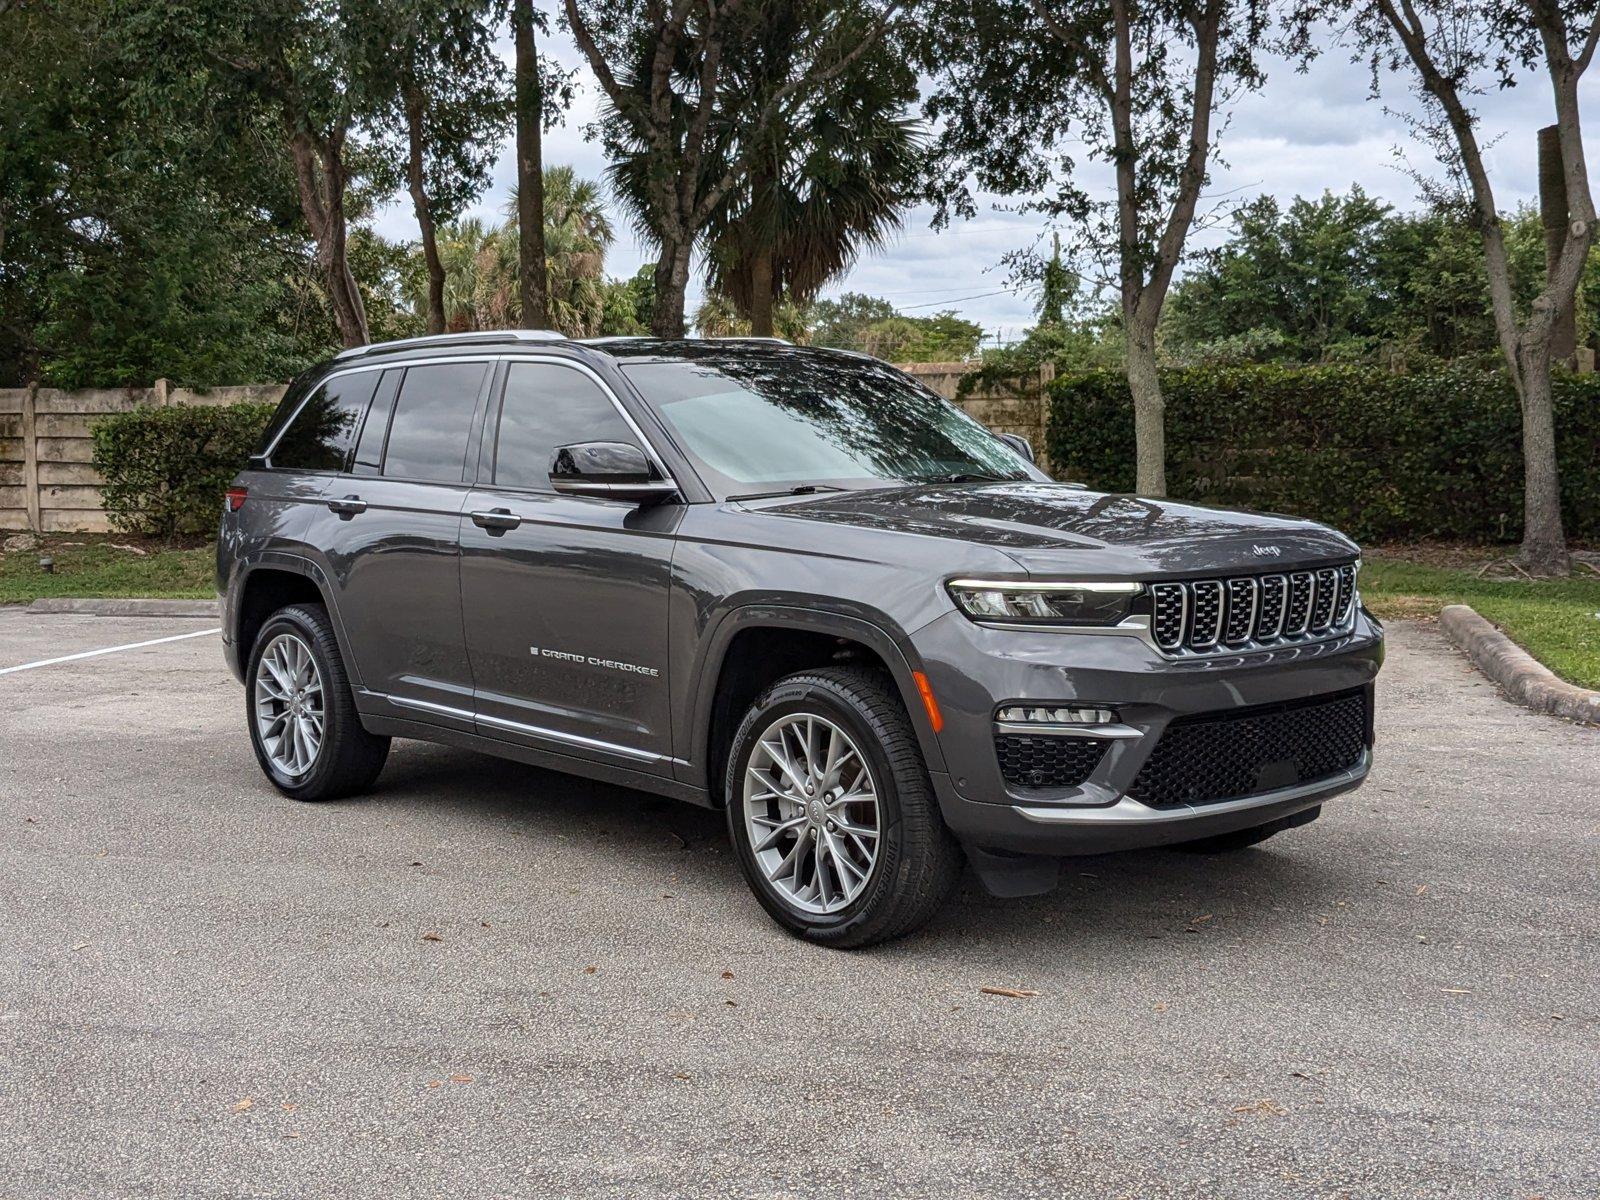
774,422
320,435
375,429
545,407
432,421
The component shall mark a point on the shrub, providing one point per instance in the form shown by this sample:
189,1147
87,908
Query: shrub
1384,457
165,469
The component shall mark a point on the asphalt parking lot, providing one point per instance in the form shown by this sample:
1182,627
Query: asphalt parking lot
489,980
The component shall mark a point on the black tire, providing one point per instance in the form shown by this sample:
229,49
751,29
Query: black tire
350,758
919,861
1243,839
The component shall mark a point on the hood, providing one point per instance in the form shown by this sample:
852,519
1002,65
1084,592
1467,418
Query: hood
1049,526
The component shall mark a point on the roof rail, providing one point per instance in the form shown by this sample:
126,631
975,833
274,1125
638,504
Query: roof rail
447,339
736,337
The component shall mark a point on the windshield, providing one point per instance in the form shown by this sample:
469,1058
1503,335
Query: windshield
772,424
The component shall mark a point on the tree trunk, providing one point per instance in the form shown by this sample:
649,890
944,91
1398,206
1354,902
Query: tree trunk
1149,411
1544,542
1553,215
419,200
761,297
532,277
322,204
672,282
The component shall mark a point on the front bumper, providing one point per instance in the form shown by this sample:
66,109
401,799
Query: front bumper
975,670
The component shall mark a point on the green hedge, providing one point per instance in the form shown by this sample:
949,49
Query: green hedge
165,469
1384,457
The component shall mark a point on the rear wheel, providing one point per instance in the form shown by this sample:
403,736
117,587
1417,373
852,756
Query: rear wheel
303,723
831,813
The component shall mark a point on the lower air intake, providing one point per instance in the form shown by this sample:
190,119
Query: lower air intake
1225,756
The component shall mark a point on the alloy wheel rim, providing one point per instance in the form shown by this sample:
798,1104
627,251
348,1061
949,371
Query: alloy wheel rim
289,705
812,814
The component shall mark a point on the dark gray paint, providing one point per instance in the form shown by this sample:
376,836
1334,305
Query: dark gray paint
441,610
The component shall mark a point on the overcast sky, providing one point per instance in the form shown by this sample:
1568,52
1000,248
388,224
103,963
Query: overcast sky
1300,135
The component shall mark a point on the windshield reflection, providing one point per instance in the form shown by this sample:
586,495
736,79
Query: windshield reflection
779,422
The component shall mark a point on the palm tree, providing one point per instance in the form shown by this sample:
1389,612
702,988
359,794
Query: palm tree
823,187
577,234
482,262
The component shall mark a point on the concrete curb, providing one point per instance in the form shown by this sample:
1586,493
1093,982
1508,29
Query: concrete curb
126,608
1518,673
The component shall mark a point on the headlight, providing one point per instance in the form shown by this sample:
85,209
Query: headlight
1089,603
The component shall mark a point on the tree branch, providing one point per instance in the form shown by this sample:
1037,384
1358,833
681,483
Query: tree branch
1072,41
1413,36
1208,33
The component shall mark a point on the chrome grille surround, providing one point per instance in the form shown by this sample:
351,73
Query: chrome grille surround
1241,612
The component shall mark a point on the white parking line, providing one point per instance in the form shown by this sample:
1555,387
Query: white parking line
50,662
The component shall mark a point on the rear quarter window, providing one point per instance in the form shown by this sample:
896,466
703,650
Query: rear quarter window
320,434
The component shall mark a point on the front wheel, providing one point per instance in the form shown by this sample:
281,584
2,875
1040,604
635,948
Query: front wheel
304,727
831,812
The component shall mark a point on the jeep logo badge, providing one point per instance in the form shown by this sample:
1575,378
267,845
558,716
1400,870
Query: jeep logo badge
1266,551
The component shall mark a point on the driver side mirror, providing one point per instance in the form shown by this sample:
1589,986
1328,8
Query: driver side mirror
1020,444
608,471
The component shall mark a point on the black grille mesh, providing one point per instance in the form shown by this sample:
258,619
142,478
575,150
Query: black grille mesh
1299,602
1027,760
1272,590
1206,623
1241,610
1205,759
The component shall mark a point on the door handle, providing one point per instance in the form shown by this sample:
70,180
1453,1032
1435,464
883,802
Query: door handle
348,507
496,520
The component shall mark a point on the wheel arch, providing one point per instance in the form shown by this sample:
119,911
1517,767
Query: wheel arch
754,646
272,582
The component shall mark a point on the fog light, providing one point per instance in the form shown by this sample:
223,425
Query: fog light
1032,714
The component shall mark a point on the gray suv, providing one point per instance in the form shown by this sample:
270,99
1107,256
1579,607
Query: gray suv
789,583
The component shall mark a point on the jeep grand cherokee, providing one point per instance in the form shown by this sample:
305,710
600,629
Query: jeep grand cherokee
792,584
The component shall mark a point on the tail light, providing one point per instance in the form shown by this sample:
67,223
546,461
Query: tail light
236,498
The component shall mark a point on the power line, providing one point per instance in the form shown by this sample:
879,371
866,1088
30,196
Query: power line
959,299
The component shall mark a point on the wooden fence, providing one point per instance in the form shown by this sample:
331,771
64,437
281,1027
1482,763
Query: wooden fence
48,483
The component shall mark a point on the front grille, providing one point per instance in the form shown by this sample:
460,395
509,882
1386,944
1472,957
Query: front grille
1208,615
1223,756
1028,760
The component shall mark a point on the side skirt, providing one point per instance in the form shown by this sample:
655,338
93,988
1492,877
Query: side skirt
550,760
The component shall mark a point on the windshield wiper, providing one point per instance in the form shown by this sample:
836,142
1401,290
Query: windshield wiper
975,477
802,489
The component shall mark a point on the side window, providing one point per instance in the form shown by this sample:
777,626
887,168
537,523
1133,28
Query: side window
547,406
375,429
432,421
319,437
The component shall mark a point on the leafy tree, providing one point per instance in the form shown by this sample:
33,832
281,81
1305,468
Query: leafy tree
1058,287
674,106
871,325
300,68
1457,53
839,323
139,240
441,103
1022,84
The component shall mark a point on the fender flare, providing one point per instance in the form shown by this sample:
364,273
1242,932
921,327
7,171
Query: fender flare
294,564
885,639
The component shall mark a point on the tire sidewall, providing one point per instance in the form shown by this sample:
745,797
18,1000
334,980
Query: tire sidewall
297,786
818,699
